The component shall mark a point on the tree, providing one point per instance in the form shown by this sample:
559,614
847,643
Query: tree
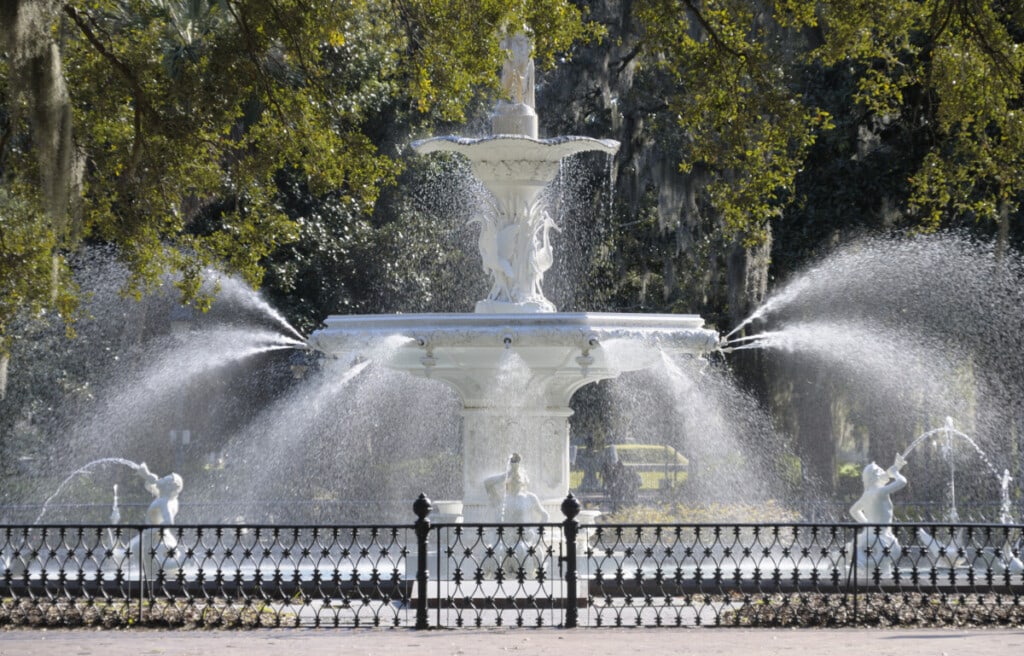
161,126
722,105
757,136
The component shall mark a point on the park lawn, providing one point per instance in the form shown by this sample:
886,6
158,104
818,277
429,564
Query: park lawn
649,480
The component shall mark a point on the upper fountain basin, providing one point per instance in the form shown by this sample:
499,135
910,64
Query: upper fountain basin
515,147
515,158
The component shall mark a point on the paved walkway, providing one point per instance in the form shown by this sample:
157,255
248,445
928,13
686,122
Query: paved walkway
521,642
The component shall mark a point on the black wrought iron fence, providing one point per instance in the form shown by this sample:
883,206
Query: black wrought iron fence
205,575
804,575
474,575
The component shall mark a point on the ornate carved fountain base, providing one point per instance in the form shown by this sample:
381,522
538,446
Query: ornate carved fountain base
516,374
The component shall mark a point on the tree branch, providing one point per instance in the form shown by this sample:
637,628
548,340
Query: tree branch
711,32
140,105
620,64
1003,65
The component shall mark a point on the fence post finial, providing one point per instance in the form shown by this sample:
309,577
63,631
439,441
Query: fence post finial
422,508
570,529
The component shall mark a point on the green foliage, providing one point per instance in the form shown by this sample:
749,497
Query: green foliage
717,513
186,111
799,122
953,71
731,77
28,266
179,110
732,94
849,470
661,480
453,50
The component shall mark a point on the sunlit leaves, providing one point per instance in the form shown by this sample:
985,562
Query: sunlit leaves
733,97
949,70
27,265
187,109
953,68
453,47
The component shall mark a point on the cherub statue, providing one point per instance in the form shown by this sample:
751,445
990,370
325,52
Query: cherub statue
158,546
508,493
877,546
517,505
164,508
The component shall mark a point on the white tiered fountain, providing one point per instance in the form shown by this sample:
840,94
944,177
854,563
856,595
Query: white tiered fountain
558,352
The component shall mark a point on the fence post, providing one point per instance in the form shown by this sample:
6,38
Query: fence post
142,574
422,508
570,529
856,533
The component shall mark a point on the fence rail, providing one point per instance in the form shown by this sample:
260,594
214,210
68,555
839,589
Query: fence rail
428,575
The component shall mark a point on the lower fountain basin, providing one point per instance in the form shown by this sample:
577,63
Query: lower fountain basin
565,349
515,374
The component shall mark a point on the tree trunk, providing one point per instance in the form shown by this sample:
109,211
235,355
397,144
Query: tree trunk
747,277
36,81
37,73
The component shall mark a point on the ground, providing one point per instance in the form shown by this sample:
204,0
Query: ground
523,642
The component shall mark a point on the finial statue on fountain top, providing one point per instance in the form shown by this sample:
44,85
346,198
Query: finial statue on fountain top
515,166
517,73
517,115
